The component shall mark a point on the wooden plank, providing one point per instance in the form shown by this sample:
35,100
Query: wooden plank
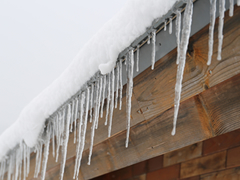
183,154
203,165
222,103
229,174
221,142
170,172
233,157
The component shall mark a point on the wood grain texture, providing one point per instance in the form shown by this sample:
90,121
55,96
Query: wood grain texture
183,154
203,165
228,174
222,103
233,157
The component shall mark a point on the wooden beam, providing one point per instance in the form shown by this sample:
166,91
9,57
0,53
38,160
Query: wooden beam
152,137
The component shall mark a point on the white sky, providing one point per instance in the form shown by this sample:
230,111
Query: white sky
38,40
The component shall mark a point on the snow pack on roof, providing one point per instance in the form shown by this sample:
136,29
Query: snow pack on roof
100,53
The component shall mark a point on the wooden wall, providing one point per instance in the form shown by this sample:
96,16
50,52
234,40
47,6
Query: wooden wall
217,158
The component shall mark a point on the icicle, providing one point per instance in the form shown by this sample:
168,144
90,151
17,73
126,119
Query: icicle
58,122
112,104
238,2
137,62
231,8
103,94
220,28
99,91
91,102
72,115
16,164
108,98
24,161
83,133
28,160
38,160
148,41
117,84
165,25
65,141
10,167
187,22
178,31
170,25
153,48
82,100
53,138
46,152
120,84
3,169
75,120
211,30
130,65
62,124
93,127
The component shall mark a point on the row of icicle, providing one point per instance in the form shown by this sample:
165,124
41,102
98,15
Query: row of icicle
91,102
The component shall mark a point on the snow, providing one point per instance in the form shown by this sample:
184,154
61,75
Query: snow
100,53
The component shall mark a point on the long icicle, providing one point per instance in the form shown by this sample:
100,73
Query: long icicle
120,84
65,140
231,7
72,114
83,132
18,159
58,122
117,85
178,31
99,91
75,120
211,30
112,104
82,100
108,98
93,128
103,94
28,160
24,161
220,28
91,102
187,22
137,62
153,48
130,65
46,153
10,167
170,25
37,160
53,137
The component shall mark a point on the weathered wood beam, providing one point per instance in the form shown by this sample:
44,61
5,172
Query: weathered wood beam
152,138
